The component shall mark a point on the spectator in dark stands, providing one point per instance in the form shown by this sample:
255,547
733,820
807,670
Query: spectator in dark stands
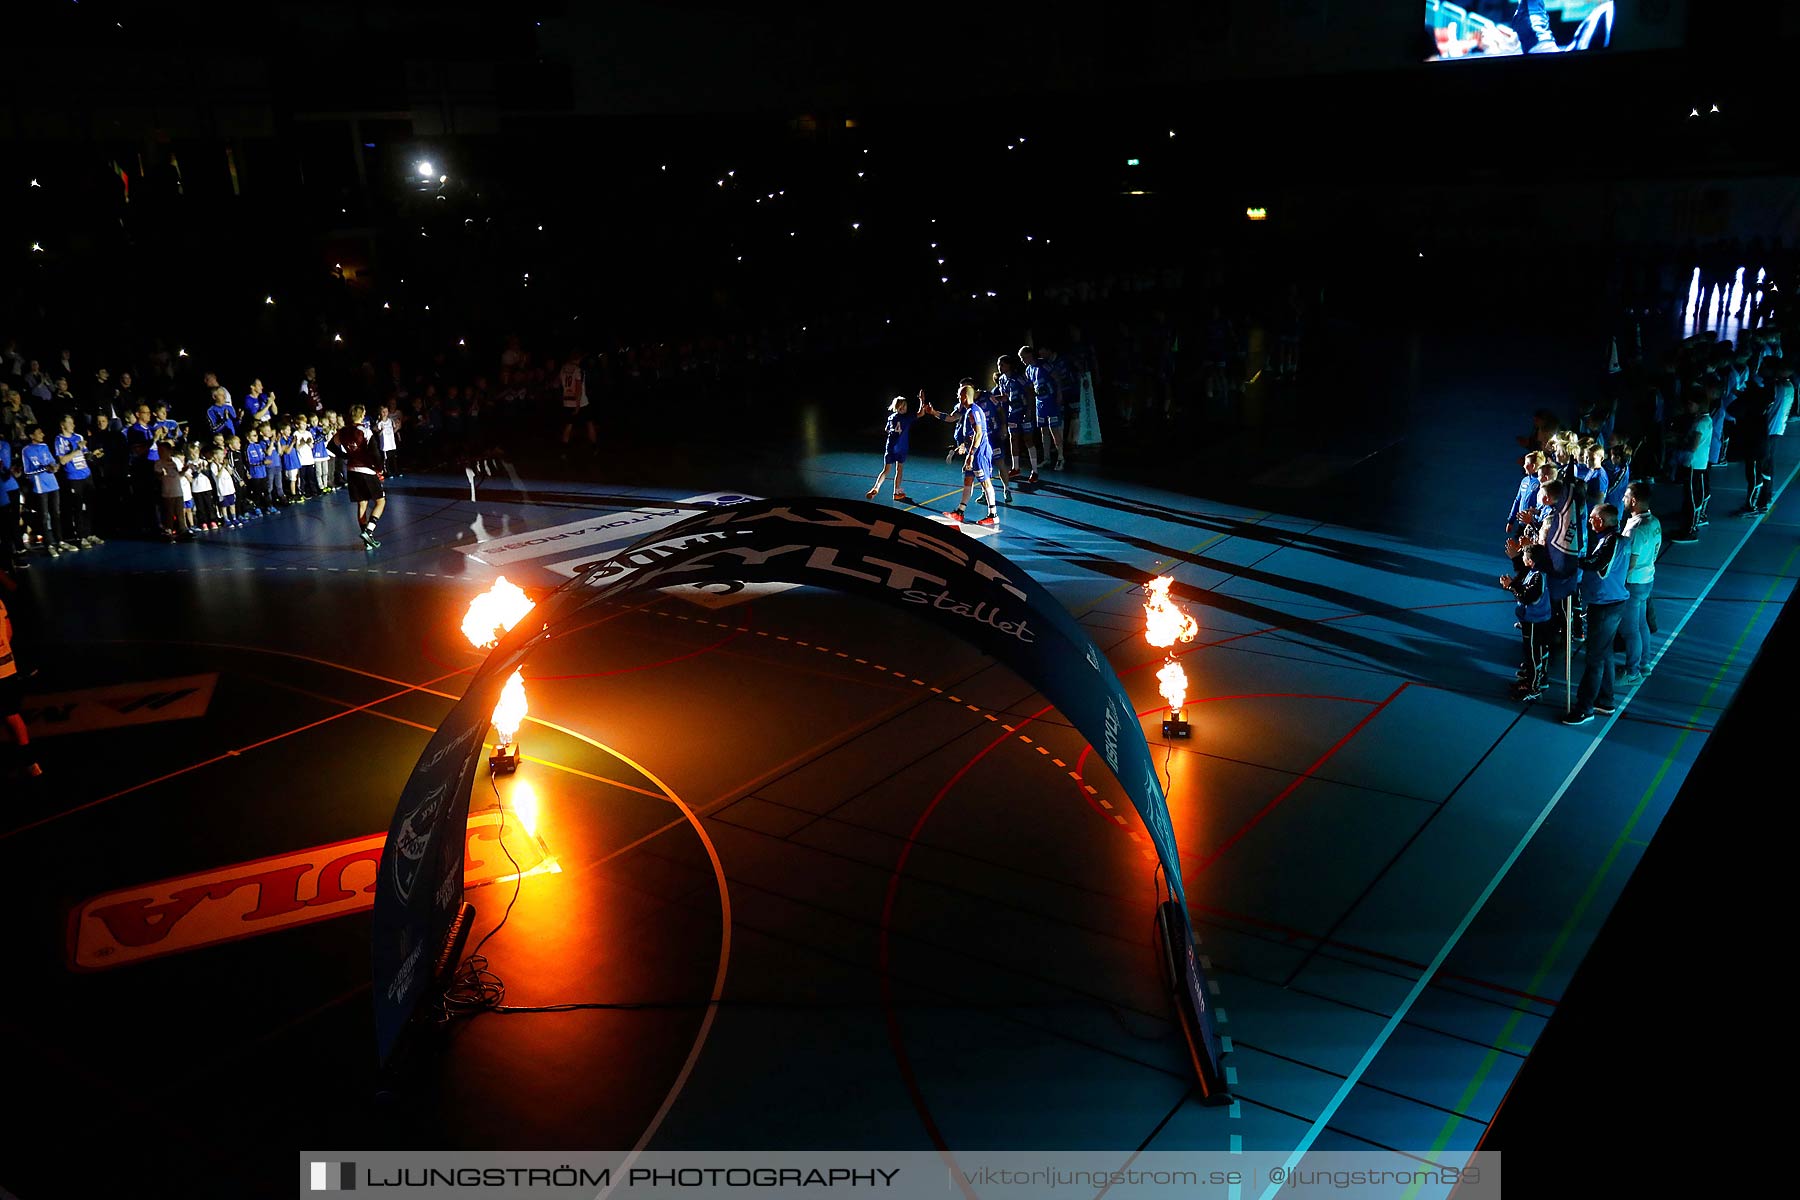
38,384
103,400
62,400
310,399
110,460
16,416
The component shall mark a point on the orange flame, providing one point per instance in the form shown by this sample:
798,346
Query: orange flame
1164,621
1173,681
509,714
494,612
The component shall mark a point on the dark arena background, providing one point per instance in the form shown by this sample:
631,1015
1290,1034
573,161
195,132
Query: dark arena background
1459,779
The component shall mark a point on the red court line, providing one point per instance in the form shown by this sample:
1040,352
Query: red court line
1305,775
68,812
730,637
1087,748
896,1039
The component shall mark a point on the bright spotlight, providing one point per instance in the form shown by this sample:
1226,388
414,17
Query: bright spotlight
426,170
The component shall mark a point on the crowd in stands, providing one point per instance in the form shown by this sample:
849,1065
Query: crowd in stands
1583,534
77,468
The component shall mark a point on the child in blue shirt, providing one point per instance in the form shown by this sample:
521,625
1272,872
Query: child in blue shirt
898,435
1525,498
9,508
256,464
39,466
1590,469
171,429
1618,473
287,447
1534,612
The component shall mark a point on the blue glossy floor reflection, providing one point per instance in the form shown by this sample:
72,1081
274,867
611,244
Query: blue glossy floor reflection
1395,868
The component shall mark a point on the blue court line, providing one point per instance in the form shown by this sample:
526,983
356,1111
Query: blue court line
1437,961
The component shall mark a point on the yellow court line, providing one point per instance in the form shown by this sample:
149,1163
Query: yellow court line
718,990
564,767
955,491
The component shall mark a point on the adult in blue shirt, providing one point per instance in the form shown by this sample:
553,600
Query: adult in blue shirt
1021,411
258,405
222,416
142,438
70,451
993,409
1047,401
1068,387
1603,573
978,455
39,466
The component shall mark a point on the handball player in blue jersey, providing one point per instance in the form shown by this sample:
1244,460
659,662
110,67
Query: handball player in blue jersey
1047,402
898,434
990,407
1021,411
978,455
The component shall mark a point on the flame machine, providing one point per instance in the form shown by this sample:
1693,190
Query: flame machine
1165,624
490,616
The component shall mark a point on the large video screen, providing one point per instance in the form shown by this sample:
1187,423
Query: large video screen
1502,28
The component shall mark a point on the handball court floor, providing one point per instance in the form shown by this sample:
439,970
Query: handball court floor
854,885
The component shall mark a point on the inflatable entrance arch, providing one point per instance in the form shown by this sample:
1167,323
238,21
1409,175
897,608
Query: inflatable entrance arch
897,558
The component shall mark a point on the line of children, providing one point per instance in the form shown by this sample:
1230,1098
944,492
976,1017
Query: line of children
58,498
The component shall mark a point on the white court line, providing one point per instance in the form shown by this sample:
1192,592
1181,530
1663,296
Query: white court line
1462,926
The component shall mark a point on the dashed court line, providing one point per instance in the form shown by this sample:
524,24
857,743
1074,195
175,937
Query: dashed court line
1110,810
